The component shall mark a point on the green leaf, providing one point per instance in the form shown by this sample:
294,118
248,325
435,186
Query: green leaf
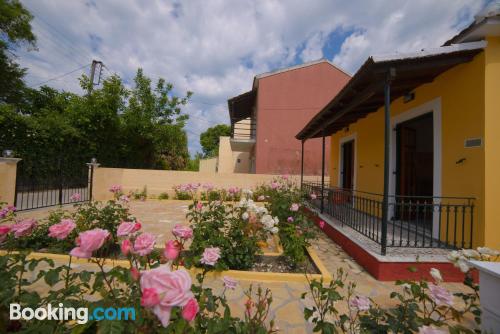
52,277
111,327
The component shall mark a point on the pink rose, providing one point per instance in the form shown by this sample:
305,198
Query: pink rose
137,225
361,303
431,330
274,185
183,232
294,207
440,295
134,272
61,230
126,247
4,229
210,256
88,242
116,188
23,228
144,244
172,287
75,197
261,198
290,219
313,196
149,297
190,310
172,250
199,206
229,282
321,224
125,228
124,198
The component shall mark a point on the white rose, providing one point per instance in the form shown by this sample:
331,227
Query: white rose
463,266
274,230
244,216
436,274
471,253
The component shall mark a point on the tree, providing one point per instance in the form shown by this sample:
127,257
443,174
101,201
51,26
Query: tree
209,139
15,29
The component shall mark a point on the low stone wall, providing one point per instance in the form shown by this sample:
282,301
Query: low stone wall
159,181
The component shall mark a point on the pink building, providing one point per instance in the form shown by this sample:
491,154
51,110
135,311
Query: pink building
266,119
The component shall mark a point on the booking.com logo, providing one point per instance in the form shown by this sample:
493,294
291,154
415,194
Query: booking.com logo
81,315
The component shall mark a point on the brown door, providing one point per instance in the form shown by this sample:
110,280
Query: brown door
407,153
348,165
415,148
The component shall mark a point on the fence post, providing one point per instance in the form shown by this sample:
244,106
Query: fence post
92,164
8,175
60,181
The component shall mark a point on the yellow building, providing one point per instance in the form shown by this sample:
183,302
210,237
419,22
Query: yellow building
415,144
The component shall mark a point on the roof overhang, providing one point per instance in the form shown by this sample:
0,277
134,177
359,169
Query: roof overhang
364,93
477,31
241,106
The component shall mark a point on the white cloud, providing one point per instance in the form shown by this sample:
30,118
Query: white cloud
214,48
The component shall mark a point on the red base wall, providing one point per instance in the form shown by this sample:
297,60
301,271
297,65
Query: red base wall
392,271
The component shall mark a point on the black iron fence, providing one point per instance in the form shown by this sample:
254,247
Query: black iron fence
413,221
64,183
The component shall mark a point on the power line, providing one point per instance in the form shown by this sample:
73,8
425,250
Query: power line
60,76
63,39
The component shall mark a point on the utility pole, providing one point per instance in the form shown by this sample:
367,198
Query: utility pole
93,68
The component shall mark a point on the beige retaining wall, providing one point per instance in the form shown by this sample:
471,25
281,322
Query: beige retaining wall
159,181
8,170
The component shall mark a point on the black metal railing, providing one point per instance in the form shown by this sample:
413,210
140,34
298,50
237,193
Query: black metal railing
64,184
414,221
244,130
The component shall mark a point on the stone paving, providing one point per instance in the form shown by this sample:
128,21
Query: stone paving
159,217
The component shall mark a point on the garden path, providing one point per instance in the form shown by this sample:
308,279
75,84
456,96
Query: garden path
159,217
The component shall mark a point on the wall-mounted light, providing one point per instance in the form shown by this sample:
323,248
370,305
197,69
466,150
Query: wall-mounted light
8,154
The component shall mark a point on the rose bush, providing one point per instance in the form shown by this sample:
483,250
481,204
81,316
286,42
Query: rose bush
233,228
420,307
59,231
284,200
165,298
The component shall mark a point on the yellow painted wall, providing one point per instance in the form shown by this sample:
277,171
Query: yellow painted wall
461,90
492,143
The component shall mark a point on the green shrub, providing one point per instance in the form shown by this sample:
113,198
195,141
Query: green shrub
296,230
163,195
216,224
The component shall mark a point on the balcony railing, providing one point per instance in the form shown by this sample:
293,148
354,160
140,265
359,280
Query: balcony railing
243,130
414,221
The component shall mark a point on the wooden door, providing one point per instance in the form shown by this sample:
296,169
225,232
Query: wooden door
348,165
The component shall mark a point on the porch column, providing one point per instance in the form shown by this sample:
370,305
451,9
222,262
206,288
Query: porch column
387,138
302,164
323,174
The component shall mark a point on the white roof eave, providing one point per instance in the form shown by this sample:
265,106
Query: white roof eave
431,52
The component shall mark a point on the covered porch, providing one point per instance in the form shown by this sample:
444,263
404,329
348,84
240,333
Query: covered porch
399,216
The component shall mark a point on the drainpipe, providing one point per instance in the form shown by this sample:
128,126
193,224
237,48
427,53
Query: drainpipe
323,174
302,165
387,137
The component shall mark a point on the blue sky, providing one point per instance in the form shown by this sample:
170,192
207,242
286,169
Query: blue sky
215,48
